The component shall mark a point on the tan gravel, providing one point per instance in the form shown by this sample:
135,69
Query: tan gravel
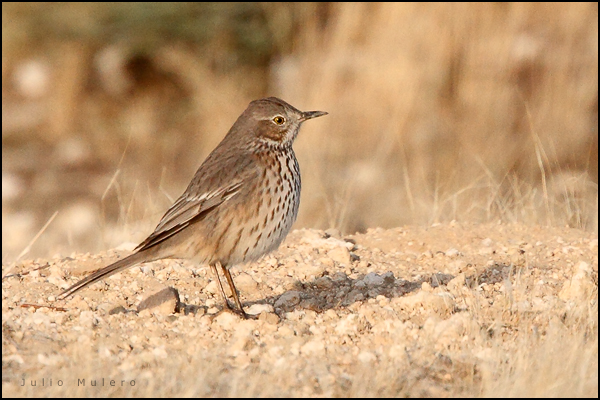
446,310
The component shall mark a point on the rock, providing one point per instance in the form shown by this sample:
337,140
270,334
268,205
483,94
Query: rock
580,286
354,296
388,278
452,252
372,279
440,303
487,242
347,325
165,302
244,283
340,278
227,320
366,357
341,255
212,287
457,283
288,300
87,319
314,346
332,232
324,282
269,317
256,309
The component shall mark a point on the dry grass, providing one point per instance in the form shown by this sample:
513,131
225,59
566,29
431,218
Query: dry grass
434,105
474,112
437,112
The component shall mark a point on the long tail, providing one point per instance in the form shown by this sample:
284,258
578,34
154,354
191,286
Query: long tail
105,272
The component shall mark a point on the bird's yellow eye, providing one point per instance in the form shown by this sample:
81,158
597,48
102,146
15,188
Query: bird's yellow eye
279,120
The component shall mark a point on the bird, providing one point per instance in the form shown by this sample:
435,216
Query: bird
240,204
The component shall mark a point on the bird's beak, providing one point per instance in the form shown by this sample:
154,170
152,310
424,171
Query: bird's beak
312,114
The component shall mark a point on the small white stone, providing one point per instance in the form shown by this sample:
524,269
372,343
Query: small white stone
227,320
256,309
314,346
160,352
87,319
452,252
366,357
245,283
340,255
212,287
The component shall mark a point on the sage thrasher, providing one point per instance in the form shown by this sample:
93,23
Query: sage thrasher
240,204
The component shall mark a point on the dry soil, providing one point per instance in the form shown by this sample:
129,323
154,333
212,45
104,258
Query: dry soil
445,310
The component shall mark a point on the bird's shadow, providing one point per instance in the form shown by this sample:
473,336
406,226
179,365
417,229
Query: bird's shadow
339,291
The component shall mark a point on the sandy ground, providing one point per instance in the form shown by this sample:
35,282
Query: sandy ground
448,310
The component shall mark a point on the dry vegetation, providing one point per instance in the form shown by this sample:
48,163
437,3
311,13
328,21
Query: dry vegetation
437,112
470,112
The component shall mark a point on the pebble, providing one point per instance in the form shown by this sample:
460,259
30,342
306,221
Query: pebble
256,309
244,283
373,279
164,302
366,357
341,255
288,299
227,320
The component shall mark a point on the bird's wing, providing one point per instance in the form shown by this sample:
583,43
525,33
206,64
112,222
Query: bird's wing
188,209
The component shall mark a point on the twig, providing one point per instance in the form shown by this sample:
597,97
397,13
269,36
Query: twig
36,306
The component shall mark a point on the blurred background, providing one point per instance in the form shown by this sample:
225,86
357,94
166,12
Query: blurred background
437,112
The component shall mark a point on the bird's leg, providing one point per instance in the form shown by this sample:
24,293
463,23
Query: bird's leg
233,290
214,269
